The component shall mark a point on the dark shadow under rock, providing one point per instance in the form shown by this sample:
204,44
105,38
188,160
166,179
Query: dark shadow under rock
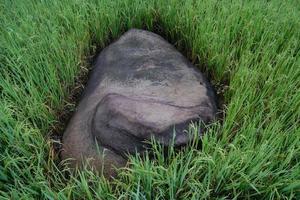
140,87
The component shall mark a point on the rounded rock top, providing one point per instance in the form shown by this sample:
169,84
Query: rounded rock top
140,88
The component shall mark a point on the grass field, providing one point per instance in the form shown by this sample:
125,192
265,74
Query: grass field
251,46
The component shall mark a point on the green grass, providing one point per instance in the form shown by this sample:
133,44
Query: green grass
252,45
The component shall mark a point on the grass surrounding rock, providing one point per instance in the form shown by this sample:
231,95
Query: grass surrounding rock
253,46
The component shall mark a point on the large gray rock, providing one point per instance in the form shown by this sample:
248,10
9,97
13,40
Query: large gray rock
140,87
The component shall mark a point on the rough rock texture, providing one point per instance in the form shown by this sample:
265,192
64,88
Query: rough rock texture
140,87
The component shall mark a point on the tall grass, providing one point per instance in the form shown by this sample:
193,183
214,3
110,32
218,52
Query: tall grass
252,45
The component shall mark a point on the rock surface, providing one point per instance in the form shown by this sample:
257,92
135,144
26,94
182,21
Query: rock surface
140,87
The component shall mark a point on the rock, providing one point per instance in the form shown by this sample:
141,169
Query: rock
140,87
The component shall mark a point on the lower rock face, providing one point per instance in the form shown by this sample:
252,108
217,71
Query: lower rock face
140,87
